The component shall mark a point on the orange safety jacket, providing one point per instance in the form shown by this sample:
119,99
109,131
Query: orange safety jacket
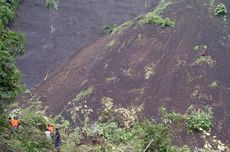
15,122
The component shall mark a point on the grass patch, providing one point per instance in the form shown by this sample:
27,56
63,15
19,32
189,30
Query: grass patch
199,120
84,93
149,71
109,29
195,119
122,27
128,72
111,79
154,17
52,4
200,47
220,10
213,85
111,44
202,60
195,94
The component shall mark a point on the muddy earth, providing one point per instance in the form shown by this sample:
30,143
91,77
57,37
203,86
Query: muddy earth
152,65
51,36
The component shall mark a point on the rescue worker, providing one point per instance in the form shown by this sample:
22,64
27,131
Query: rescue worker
48,135
14,123
57,140
50,128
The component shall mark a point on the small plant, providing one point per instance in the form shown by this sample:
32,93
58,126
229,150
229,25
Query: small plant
195,94
220,10
195,119
149,71
213,85
111,44
202,60
83,94
154,17
200,47
128,72
111,79
52,4
109,29
122,27
199,120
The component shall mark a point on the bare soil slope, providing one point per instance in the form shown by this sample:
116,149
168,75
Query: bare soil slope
153,65
75,23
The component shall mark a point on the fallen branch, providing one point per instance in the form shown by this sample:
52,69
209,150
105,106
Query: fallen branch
148,145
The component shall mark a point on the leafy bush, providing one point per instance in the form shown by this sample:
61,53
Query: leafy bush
154,17
220,10
11,45
199,120
52,4
195,119
109,29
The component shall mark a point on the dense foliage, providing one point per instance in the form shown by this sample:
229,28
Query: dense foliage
220,10
11,45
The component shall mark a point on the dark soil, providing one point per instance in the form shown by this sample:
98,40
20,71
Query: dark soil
76,23
119,72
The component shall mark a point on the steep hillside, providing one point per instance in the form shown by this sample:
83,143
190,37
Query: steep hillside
59,33
174,66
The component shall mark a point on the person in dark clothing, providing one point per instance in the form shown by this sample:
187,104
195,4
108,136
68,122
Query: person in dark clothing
57,140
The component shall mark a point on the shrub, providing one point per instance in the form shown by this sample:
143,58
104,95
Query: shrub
220,10
154,17
199,120
109,29
52,4
11,45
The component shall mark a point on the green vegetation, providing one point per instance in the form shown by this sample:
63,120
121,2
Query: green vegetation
195,119
195,94
122,27
213,85
111,79
220,10
52,4
199,120
83,94
30,136
109,29
149,71
111,44
202,60
154,17
116,29
11,45
200,47
116,129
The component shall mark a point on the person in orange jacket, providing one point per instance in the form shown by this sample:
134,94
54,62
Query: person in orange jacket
14,124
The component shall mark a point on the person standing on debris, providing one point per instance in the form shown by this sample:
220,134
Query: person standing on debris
14,123
57,140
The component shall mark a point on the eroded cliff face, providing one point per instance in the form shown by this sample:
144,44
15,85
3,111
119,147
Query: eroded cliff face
51,36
